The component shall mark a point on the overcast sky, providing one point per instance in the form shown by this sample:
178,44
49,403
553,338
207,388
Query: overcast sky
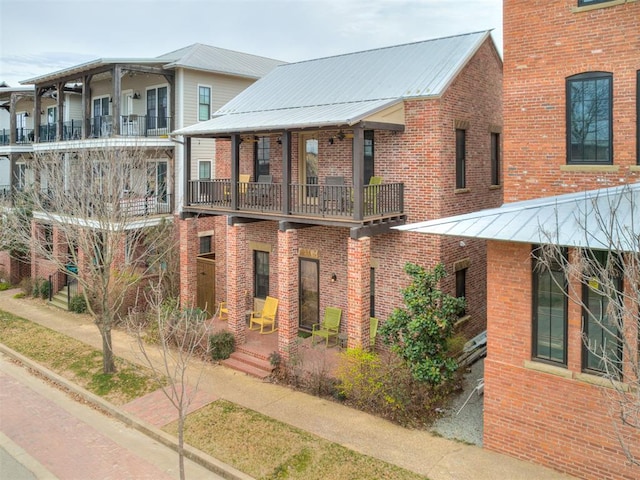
42,36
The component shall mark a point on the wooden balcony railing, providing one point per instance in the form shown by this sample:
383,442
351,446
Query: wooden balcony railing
312,200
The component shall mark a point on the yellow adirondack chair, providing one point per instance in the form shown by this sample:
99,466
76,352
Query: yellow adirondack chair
265,317
329,326
223,314
243,180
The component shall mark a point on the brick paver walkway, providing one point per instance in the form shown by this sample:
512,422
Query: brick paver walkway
155,408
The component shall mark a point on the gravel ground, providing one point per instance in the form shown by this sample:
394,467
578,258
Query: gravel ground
465,426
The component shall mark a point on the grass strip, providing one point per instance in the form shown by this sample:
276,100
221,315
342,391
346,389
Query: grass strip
268,449
74,360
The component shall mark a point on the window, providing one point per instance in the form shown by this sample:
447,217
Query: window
205,244
549,312
204,103
100,106
461,140
495,159
638,117
589,122
261,274
52,115
157,107
47,238
584,3
368,156
602,349
461,287
372,292
204,170
157,181
261,156
21,176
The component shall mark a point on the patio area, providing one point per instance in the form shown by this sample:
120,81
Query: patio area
311,358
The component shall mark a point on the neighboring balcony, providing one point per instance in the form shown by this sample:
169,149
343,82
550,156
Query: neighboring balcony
130,205
311,201
23,136
131,126
100,127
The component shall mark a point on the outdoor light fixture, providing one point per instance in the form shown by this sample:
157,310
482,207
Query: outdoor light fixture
334,277
136,95
330,140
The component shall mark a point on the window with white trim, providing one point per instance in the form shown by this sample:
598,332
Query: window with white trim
204,103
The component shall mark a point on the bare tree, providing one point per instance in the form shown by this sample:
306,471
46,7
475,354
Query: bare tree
181,337
604,280
109,237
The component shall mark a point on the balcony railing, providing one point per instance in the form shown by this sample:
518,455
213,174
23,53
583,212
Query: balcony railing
100,127
312,200
131,126
130,205
71,130
23,136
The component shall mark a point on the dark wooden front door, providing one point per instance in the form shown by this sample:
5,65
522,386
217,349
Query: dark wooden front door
309,289
206,284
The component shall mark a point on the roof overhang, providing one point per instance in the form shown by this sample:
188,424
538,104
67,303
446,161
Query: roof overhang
100,64
299,118
607,218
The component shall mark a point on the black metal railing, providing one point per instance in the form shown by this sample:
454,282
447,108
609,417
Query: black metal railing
129,205
308,199
24,135
72,287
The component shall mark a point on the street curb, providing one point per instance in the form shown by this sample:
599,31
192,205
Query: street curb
193,454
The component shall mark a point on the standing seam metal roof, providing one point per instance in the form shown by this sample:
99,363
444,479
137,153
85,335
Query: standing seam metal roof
599,219
384,75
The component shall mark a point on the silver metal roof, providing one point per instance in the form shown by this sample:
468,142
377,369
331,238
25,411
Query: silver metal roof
599,219
336,90
220,60
197,57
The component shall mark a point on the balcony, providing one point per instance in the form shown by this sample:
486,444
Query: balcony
24,136
71,130
129,206
305,202
130,126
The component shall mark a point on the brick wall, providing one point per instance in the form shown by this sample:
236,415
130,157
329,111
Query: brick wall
544,43
532,411
423,158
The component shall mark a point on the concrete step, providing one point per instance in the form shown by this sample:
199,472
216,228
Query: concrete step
60,299
248,364
59,302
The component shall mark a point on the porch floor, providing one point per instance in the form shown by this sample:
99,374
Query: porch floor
313,358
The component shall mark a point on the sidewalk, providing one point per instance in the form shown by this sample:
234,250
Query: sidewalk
418,451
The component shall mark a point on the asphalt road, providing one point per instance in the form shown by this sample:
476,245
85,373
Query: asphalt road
46,434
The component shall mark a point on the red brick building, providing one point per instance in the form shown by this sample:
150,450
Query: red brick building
318,161
571,82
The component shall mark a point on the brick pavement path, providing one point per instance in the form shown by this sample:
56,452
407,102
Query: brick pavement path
155,408
66,446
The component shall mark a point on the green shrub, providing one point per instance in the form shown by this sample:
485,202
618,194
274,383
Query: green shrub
4,286
45,288
35,287
20,295
78,304
384,386
420,333
221,345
